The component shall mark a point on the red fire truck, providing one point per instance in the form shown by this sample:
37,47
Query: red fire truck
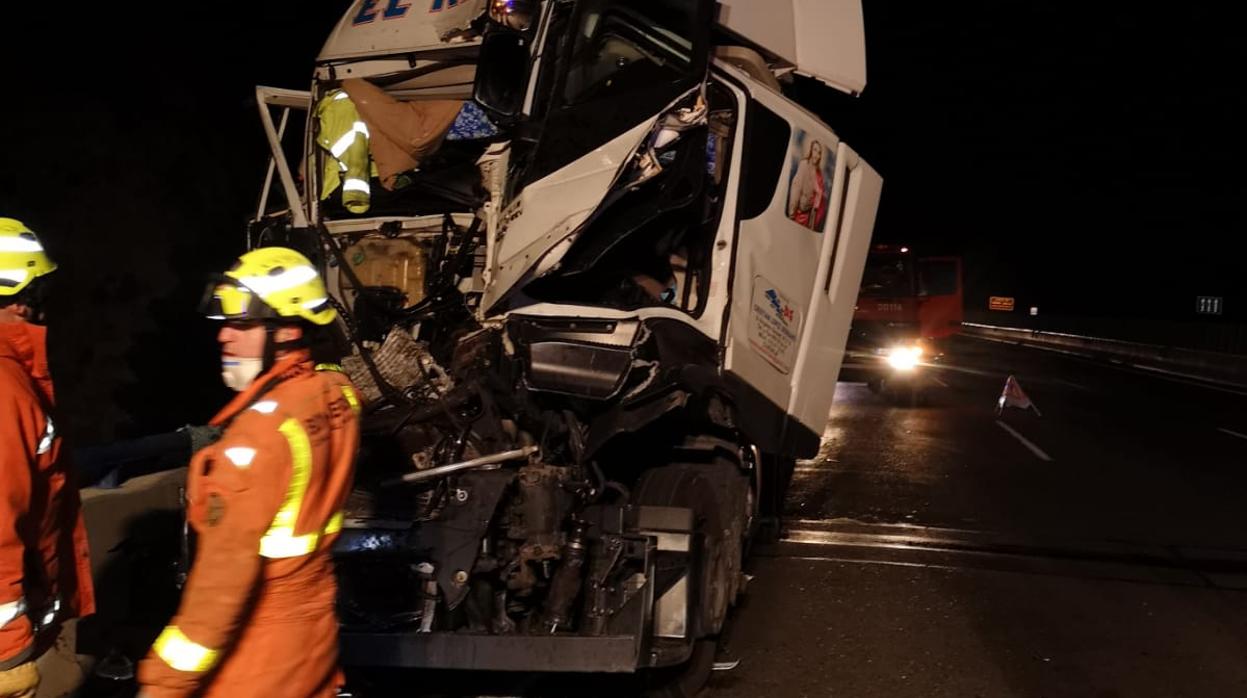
907,309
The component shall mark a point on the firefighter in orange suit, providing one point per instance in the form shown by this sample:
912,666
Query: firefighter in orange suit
45,574
257,614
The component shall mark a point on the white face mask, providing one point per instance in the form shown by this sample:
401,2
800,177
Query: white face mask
239,373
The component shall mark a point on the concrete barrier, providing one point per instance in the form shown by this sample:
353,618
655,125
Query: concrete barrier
1224,369
134,534
114,516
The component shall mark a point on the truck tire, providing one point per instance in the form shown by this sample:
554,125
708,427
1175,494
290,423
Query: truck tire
724,465
777,472
682,485
702,487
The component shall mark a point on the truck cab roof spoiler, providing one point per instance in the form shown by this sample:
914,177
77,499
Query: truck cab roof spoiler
823,39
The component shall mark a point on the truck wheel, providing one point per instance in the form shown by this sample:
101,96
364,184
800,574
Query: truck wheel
683,485
700,487
727,468
777,472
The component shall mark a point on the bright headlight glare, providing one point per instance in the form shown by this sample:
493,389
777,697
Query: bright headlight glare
904,358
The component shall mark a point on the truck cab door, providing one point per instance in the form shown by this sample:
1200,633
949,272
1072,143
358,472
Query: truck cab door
854,200
292,105
806,216
609,70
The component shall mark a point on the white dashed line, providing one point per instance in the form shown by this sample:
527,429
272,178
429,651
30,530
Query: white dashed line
939,382
1025,442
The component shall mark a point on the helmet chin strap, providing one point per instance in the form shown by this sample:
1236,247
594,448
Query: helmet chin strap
272,347
240,373
34,299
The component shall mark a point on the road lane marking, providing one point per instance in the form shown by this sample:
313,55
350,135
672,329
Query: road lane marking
1205,386
939,382
1134,369
810,469
1024,345
973,371
860,561
1187,379
1025,442
1071,384
1232,433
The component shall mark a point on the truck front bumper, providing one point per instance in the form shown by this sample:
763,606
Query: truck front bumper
516,653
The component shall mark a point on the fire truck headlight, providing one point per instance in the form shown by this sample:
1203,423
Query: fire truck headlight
904,357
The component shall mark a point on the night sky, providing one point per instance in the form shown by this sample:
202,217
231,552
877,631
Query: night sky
1084,159
1080,159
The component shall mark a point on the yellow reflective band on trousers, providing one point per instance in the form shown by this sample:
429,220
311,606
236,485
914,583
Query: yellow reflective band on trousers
280,540
181,653
329,367
334,525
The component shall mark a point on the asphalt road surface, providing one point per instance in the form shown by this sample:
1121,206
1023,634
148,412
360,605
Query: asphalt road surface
1097,547
1097,550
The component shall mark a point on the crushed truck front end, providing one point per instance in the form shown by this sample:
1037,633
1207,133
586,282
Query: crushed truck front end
592,277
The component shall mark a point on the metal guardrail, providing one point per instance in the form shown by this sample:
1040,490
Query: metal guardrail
1226,336
1208,366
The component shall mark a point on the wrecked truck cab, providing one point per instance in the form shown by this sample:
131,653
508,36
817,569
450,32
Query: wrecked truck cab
597,271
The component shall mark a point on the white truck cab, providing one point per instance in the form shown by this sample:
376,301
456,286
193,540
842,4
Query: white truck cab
621,249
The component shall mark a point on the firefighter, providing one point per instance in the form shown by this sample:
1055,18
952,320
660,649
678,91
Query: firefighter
45,573
265,501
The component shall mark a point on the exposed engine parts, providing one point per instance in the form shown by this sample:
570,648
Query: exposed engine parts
401,361
432,473
486,505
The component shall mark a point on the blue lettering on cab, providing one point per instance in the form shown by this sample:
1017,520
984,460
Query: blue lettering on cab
394,10
367,13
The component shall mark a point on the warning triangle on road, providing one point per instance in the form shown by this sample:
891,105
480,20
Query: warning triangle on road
1014,396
